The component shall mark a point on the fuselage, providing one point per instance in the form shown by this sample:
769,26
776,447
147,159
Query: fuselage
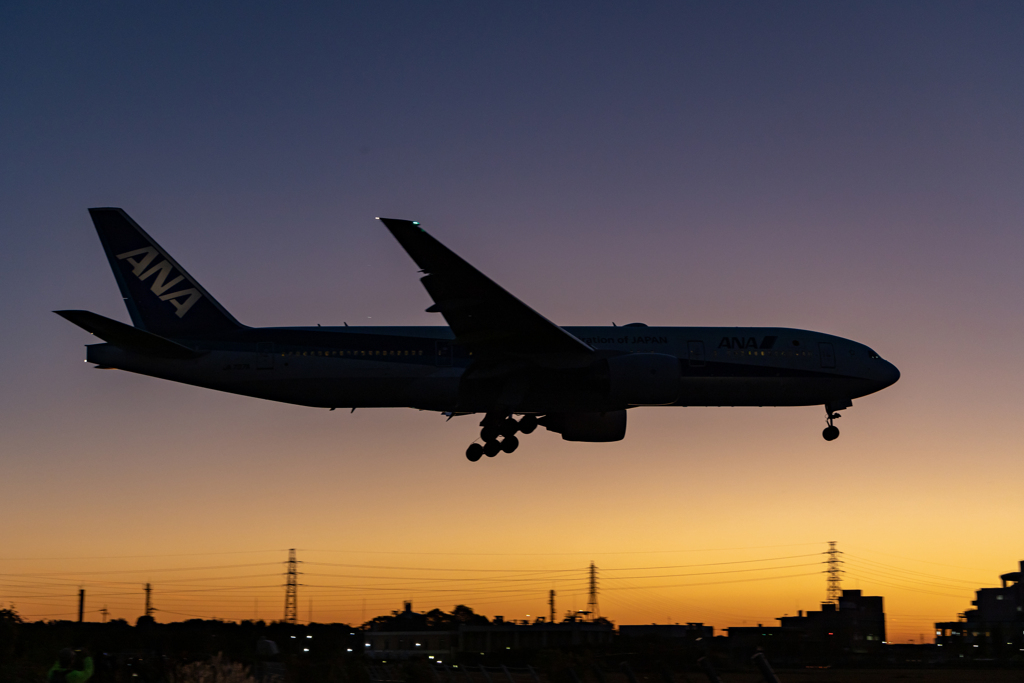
423,367
495,356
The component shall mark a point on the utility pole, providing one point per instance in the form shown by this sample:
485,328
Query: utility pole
592,603
291,590
834,572
81,604
149,602
551,604
104,612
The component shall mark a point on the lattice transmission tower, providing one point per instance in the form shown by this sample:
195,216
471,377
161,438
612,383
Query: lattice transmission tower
291,590
592,603
834,573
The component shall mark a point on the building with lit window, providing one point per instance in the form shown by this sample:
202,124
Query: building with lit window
691,631
500,635
994,629
409,635
853,628
439,636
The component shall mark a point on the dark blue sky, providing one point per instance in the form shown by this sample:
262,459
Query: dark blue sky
851,167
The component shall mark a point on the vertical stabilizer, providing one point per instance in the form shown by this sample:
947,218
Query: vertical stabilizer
161,296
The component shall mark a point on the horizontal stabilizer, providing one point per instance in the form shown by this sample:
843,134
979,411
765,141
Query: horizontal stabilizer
127,337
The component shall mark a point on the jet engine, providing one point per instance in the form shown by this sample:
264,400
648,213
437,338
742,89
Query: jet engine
643,379
591,427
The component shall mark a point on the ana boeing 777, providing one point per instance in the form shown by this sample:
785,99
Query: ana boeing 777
496,357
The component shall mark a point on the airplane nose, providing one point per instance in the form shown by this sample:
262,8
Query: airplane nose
889,374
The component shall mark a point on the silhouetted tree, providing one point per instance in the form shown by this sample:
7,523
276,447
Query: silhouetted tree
9,621
465,615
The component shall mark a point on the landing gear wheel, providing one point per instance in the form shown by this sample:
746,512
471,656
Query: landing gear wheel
492,448
490,433
509,428
831,433
474,452
528,424
509,444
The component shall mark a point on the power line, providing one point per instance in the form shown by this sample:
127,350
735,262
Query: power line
132,557
481,586
716,583
138,571
867,573
438,569
912,559
932,576
576,554
724,571
710,564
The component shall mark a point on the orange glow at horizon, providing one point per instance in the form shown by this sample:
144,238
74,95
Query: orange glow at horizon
848,168
721,587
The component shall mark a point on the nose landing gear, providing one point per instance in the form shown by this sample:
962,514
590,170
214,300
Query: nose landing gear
498,432
831,433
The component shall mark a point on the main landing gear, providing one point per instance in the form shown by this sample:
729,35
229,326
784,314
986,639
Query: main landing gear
498,432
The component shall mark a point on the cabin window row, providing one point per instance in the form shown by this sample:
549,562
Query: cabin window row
769,354
353,353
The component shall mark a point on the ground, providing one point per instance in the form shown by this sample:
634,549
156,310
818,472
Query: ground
873,676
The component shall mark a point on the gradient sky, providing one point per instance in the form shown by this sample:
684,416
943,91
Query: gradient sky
855,168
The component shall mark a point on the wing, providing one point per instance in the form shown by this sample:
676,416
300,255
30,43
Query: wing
483,316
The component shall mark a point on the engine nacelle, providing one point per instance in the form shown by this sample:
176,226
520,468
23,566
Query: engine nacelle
644,379
592,427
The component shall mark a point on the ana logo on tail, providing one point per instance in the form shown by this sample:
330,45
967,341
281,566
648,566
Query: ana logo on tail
162,271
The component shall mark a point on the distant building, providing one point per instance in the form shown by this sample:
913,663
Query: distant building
995,629
502,635
385,645
692,631
853,629
410,635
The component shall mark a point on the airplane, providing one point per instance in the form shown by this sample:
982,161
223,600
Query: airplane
497,357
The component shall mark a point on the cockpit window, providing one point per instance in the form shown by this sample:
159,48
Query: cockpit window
872,354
